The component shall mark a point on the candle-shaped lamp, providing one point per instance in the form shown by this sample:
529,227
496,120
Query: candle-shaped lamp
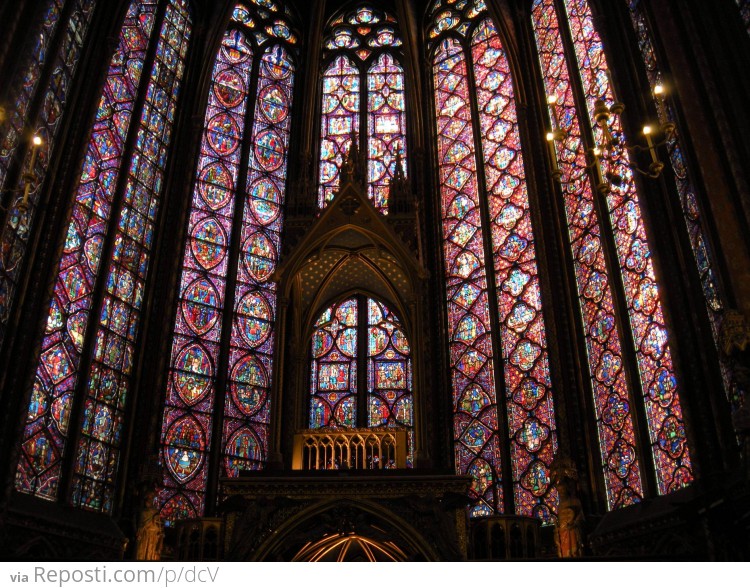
552,102
28,175
553,155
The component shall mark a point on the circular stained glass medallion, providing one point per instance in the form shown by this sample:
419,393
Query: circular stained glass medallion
192,375
264,201
208,243
184,446
222,133
254,316
216,185
259,256
269,150
199,305
229,88
273,103
248,385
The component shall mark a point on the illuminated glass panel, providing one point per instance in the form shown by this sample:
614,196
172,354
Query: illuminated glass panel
617,442
191,388
114,345
247,404
48,418
477,442
18,224
660,389
687,194
213,300
333,382
390,402
339,123
362,47
528,395
336,365
386,126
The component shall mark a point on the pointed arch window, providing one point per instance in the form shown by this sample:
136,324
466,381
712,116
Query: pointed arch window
363,99
217,408
361,371
74,424
688,196
504,423
37,99
651,394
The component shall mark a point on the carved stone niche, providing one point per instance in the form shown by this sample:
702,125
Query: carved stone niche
390,515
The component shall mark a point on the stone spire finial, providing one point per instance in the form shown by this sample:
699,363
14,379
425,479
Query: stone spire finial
353,168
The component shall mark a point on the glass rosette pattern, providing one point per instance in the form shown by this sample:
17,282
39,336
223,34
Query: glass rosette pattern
247,404
660,388
108,382
691,209
390,402
532,433
477,442
191,388
614,417
18,223
339,123
46,431
386,127
333,384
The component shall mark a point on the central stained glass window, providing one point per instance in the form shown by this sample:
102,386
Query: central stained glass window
361,371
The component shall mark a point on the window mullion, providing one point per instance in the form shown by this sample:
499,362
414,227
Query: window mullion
497,352
363,361
79,397
222,367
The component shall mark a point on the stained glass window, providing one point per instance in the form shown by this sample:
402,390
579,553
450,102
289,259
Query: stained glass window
686,192
655,385
491,273
53,52
89,238
363,92
214,304
350,390
744,6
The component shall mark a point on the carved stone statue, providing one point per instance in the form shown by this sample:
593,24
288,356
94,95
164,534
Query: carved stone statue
569,528
150,535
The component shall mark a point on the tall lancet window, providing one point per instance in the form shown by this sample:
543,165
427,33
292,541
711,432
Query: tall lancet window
217,408
504,422
688,196
37,94
75,419
363,100
651,394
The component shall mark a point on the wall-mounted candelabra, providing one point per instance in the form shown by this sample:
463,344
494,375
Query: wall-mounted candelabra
611,145
29,177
